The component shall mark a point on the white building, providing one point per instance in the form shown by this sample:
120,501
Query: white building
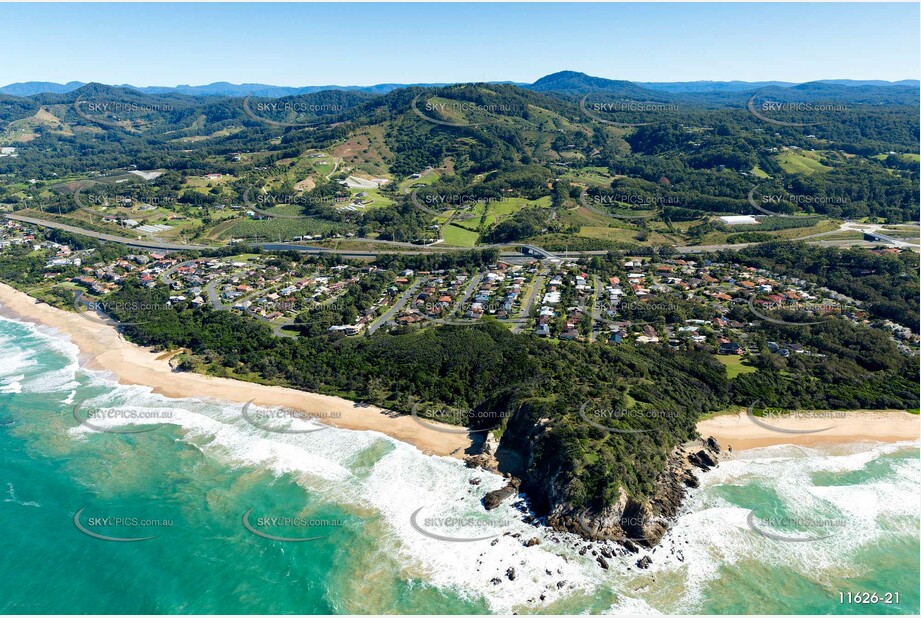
738,220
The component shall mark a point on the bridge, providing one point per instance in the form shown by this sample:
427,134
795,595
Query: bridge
877,237
536,252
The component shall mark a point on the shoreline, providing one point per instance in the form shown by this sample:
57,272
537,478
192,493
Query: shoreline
104,349
738,431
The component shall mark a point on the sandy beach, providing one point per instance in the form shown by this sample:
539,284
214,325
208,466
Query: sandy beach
102,348
741,432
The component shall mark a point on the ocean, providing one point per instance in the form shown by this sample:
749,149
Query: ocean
203,511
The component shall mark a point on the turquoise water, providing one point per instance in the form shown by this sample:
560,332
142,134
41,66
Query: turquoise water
188,482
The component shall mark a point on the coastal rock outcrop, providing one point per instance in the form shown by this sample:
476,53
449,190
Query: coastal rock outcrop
628,521
495,497
486,458
632,522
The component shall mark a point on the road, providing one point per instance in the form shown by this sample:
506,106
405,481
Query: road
525,311
593,310
213,297
166,275
131,242
405,296
403,248
468,292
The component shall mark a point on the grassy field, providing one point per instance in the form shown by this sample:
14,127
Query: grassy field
200,138
322,165
486,215
583,216
617,234
843,236
459,237
365,151
197,182
799,232
906,232
908,157
407,185
273,229
800,162
590,175
735,365
373,198
719,238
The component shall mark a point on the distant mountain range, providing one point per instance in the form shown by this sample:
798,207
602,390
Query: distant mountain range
568,82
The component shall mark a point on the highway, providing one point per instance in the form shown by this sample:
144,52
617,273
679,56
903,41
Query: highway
403,248
131,242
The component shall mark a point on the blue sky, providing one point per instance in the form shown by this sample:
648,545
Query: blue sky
364,44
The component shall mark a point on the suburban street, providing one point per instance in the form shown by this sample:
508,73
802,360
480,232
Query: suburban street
395,308
535,289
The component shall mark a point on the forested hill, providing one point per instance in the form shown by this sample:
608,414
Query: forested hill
848,149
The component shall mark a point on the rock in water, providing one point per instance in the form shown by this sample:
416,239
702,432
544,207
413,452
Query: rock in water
644,562
495,497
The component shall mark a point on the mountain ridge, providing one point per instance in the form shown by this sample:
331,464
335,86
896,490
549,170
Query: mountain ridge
545,83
